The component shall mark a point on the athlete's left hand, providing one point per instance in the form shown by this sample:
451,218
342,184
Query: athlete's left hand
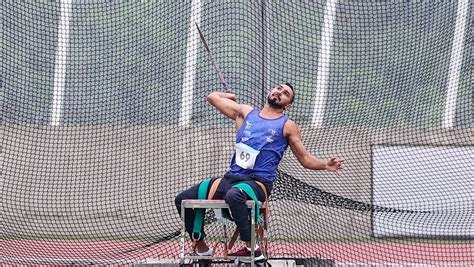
334,165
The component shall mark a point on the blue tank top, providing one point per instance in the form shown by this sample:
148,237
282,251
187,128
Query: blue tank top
266,136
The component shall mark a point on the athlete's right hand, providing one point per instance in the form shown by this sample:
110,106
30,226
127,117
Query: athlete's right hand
231,96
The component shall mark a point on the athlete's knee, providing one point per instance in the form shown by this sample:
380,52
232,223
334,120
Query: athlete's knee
190,193
178,199
235,195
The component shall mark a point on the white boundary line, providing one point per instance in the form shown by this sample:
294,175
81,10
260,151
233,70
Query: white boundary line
367,264
60,62
455,63
322,77
191,60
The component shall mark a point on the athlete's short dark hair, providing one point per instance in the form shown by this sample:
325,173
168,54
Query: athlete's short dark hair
292,89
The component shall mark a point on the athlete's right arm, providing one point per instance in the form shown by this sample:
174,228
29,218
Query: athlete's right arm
227,105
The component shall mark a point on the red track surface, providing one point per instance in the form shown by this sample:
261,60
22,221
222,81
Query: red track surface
421,253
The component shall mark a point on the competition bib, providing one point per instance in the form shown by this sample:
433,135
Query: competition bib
245,156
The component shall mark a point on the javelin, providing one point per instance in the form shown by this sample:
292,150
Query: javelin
214,62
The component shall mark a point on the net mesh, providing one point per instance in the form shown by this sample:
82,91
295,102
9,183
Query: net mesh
105,121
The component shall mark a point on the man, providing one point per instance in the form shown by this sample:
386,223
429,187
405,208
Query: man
262,138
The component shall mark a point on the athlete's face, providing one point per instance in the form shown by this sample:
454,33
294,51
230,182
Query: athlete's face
280,97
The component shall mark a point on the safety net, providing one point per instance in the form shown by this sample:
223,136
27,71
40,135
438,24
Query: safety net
105,121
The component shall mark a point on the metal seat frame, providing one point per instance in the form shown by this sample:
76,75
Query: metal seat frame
221,204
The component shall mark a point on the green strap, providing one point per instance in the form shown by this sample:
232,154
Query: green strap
249,191
202,194
199,215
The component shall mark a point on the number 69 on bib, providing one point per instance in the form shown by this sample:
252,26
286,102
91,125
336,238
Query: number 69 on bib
245,156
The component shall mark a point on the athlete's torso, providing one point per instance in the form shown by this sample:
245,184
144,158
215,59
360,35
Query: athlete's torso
261,140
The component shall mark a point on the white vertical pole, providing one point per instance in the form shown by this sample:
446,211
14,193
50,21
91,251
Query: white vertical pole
455,63
191,59
266,53
322,77
60,62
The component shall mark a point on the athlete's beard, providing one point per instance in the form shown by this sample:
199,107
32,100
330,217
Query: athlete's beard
272,102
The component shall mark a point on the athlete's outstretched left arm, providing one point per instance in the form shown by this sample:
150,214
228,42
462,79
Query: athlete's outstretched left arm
293,135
